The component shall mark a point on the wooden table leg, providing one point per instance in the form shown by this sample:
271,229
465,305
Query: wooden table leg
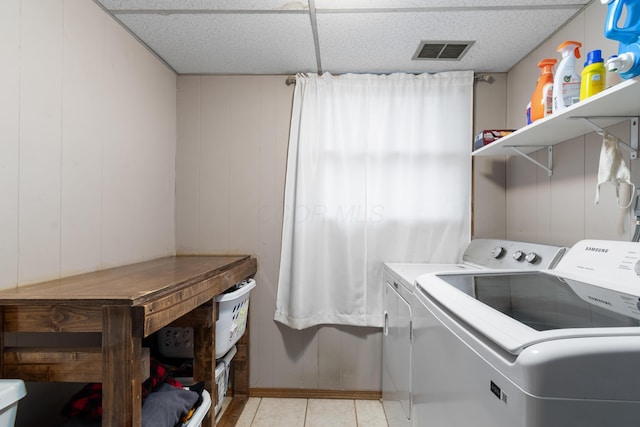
121,373
204,360
241,365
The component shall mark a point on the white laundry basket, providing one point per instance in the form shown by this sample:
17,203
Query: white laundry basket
233,309
201,412
11,391
223,367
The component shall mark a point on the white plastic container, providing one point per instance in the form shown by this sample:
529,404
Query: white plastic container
223,367
233,309
230,326
11,391
201,412
566,82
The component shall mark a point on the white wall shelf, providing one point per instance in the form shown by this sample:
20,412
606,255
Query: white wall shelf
618,103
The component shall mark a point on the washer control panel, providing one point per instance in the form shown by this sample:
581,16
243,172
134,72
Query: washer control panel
607,263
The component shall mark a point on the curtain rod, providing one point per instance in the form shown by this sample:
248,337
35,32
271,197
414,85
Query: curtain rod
480,77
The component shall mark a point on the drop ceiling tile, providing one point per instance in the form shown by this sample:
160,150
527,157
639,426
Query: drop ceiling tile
228,43
115,5
449,4
385,42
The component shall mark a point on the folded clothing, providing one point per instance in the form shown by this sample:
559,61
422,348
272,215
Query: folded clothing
87,403
166,406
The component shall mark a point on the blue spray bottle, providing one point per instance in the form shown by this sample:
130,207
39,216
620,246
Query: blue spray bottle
627,62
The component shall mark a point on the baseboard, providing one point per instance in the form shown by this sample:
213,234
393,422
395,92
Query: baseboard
306,393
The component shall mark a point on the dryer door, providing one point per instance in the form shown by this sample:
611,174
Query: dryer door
396,354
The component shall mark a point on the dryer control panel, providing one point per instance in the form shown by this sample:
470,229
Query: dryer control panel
509,254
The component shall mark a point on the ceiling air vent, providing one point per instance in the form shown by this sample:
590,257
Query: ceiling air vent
442,50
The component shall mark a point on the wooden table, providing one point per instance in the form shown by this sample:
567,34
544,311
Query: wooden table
124,304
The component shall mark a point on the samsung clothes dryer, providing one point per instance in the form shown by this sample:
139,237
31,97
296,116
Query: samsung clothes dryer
551,348
399,283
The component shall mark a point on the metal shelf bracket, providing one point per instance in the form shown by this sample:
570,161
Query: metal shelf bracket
548,168
632,147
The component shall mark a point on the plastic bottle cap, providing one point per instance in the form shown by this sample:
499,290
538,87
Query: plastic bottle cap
547,64
593,57
569,45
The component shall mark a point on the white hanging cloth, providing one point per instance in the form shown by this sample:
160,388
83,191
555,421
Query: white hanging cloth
378,170
612,168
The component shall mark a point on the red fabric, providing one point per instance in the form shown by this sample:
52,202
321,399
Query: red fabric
87,403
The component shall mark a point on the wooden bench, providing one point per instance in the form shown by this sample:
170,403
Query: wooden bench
125,304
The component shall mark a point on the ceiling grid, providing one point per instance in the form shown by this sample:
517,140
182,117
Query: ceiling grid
338,36
314,30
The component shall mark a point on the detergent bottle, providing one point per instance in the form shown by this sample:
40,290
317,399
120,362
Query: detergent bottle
566,84
627,62
593,75
541,105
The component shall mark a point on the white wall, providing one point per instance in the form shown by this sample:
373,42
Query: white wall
87,143
489,173
560,209
87,154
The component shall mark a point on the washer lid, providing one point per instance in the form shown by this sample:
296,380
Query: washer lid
519,309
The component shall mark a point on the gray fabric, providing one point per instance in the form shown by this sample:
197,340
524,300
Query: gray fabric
166,405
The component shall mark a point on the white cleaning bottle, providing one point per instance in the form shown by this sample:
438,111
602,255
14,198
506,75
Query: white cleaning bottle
566,84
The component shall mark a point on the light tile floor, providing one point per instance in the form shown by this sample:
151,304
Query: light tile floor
272,412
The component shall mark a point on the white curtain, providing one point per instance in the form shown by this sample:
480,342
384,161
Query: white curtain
378,170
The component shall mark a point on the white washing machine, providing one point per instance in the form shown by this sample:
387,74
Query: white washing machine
399,281
551,348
